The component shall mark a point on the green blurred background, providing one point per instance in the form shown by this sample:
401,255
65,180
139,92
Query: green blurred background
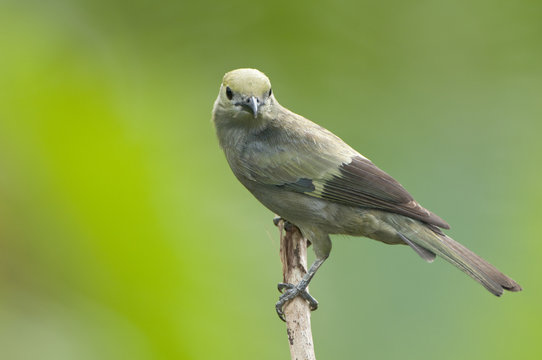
124,235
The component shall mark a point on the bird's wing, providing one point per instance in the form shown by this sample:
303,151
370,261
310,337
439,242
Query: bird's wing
317,163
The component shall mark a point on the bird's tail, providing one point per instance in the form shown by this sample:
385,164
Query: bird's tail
427,241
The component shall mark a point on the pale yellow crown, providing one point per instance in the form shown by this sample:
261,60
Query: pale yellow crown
247,82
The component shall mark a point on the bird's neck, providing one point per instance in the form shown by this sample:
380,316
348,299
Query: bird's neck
233,128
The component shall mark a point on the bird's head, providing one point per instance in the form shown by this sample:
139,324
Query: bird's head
245,92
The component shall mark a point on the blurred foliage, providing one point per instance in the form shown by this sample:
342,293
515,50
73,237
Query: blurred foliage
123,233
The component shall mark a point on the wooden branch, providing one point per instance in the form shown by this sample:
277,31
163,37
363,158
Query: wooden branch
293,254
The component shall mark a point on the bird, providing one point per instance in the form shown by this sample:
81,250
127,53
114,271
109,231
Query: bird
314,180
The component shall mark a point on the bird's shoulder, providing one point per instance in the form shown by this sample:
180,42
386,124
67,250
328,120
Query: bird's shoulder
295,136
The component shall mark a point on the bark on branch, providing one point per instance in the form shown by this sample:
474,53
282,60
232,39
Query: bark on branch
293,254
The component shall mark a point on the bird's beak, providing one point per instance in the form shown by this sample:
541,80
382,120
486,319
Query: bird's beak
254,105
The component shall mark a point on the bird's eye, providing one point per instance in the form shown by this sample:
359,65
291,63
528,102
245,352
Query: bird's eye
270,92
229,93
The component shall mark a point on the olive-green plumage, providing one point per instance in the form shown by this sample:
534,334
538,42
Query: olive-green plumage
313,179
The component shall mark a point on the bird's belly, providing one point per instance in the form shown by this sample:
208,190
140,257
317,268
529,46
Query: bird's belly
298,208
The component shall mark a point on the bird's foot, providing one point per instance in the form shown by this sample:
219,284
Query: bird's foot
289,292
288,226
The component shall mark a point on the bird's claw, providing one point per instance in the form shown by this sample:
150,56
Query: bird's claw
284,286
313,303
289,292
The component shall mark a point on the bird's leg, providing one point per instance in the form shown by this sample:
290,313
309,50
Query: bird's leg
290,291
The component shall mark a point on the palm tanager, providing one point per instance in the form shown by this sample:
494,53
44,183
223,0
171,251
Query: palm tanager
313,179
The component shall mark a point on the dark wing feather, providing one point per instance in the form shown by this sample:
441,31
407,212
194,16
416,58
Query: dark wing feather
361,183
